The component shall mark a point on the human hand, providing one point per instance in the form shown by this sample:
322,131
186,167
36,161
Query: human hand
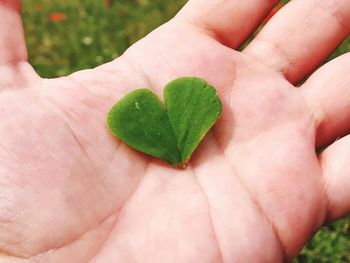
255,190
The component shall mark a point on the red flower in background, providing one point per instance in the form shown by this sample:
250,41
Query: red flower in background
57,17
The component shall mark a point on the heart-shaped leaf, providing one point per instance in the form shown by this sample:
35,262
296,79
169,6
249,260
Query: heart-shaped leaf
171,132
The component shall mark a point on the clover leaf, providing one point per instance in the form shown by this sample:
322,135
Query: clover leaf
170,131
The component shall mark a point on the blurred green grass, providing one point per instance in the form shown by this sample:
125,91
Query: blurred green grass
91,32
64,36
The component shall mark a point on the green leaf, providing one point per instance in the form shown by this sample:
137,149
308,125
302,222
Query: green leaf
173,133
140,120
193,107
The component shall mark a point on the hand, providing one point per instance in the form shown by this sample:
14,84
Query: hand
255,190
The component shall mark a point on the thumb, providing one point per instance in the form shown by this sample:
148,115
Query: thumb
12,42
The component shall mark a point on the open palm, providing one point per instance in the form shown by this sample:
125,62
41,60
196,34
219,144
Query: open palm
255,190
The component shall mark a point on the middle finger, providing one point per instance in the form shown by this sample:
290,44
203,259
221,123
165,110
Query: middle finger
301,36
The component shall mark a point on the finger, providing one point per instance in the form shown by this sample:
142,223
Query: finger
12,43
301,35
327,92
335,163
231,22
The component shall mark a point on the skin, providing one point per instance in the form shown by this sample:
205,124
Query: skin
255,190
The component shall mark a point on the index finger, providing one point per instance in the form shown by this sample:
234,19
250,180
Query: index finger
229,21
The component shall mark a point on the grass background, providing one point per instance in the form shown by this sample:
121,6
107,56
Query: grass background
64,36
